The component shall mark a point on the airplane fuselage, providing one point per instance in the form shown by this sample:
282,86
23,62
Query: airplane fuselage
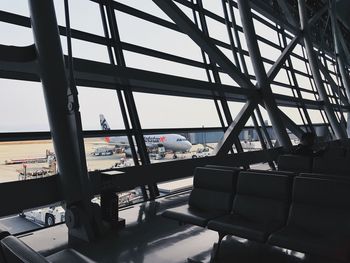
171,142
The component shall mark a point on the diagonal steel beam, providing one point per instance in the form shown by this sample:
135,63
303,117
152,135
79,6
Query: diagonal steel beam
317,15
282,58
233,130
188,27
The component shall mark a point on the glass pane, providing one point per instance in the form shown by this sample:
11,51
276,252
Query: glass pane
22,107
159,111
26,160
96,102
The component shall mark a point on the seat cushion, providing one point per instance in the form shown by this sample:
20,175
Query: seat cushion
242,227
193,216
302,240
69,255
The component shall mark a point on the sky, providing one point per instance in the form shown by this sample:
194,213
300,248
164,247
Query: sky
22,107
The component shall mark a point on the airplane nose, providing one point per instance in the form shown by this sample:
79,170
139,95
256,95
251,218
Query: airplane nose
189,145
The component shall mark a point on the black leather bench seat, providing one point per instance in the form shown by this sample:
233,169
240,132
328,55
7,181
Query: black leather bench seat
303,240
319,219
260,207
16,251
211,197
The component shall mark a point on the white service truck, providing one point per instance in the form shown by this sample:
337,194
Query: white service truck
202,152
103,151
46,216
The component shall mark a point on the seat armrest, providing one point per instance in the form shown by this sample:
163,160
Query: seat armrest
69,255
14,250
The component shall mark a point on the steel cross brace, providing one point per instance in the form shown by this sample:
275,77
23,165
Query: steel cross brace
188,27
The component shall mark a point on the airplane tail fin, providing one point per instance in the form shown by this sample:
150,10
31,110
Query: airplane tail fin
104,123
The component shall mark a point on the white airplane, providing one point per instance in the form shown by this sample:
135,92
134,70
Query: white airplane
171,142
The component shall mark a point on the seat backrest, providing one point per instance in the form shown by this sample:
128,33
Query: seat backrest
295,163
287,173
262,197
223,167
334,152
326,176
321,206
15,251
331,165
213,189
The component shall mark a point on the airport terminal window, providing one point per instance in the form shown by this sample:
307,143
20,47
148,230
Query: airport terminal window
217,30
95,102
182,145
15,35
292,112
19,7
26,160
227,80
269,52
147,6
159,111
23,107
107,152
268,33
153,36
316,116
139,61
213,6
89,22
86,50
235,108
276,89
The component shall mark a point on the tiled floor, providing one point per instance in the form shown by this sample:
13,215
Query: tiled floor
150,238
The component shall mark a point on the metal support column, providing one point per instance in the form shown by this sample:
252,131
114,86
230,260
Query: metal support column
65,123
120,100
339,53
235,57
129,98
260,73
223,101
245,71
313,62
